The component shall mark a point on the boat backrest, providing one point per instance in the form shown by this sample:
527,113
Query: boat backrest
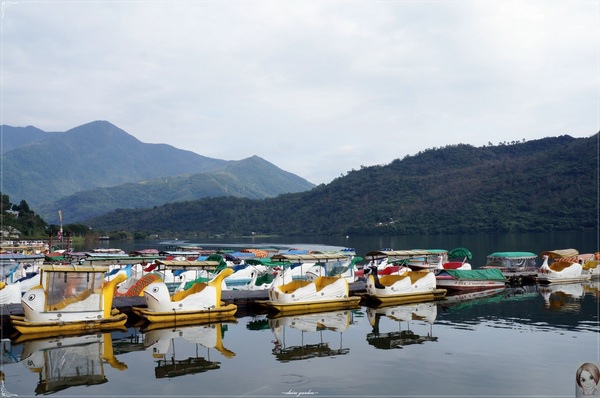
558,266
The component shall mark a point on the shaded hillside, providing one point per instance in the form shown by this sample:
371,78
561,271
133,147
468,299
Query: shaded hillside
56,170
548,184
253,178
96,154
17,137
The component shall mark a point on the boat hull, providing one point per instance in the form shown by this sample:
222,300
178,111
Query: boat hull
547,279
115,321
306,307
468,285
406,298
189,317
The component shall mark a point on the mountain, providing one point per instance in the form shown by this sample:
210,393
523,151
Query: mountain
253,178
543,185
42,168
16,137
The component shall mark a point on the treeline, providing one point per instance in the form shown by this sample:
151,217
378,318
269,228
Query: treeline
19,220
543,185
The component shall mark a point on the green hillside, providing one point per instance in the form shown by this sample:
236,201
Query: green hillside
541,185
97,167
253,178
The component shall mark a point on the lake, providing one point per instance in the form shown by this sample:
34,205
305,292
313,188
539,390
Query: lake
526,341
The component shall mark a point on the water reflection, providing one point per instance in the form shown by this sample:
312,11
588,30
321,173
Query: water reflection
65,362
300,327
162,344
413,316
562,297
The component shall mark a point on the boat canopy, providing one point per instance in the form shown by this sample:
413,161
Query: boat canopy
490,274
561,253
460,252
403,253
512,255
73,268
267,262
185,264
511,259
318,257
124,260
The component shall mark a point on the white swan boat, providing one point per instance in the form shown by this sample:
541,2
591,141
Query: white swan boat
565,267
411,287
70,298
200,302
303,296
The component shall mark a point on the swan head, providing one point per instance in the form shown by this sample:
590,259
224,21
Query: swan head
33,301
157,291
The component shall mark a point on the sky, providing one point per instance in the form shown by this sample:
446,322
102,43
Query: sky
318,88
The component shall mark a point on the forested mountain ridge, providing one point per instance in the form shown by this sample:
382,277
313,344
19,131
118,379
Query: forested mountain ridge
541,185
42,168
253,178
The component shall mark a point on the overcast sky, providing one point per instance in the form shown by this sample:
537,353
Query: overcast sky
317,88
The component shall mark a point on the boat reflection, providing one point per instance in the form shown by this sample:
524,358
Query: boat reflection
64,362
562,296
309,326
161,342
415,316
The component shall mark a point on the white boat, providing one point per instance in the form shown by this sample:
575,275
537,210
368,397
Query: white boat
411,287
200,302
70,298
565,267
10,294
469,280
302,296
345,268
417,260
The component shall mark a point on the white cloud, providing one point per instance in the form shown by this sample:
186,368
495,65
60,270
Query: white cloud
317,88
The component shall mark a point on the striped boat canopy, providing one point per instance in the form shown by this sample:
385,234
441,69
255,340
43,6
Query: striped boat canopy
403,253
183,264
561,253
319,257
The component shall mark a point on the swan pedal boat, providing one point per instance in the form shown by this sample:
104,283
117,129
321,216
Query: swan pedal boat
301,296
410,287
565,268
70,298
201,302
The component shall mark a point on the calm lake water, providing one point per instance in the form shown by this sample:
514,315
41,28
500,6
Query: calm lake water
524,342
